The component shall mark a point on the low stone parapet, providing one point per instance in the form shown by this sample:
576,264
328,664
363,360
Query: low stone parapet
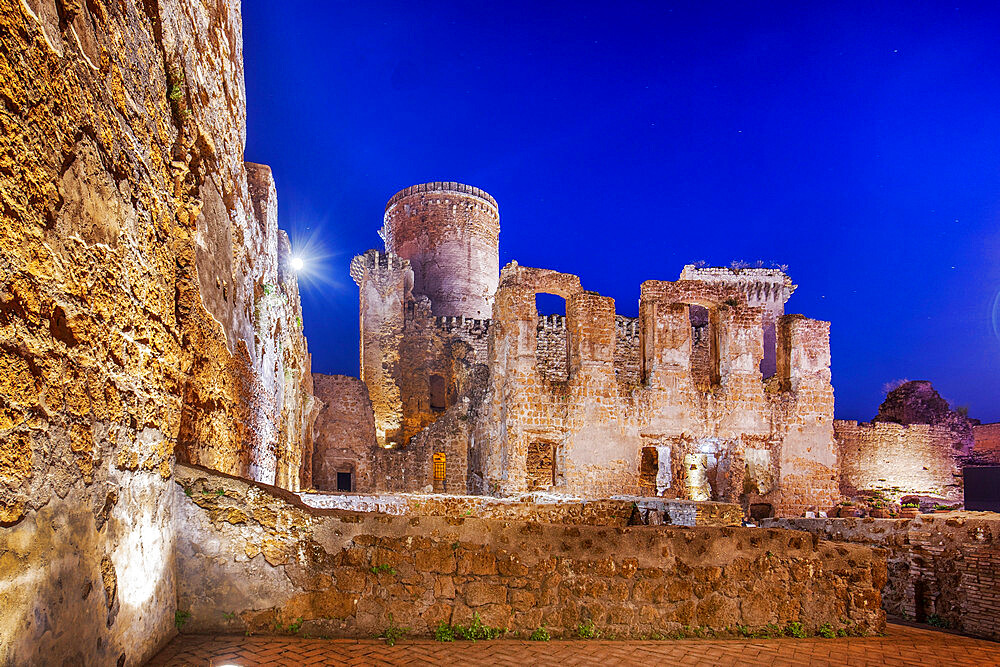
253,558
541,508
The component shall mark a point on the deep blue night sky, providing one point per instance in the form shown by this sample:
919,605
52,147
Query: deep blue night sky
858,145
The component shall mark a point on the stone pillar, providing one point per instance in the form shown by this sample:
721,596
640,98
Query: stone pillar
808,453
665,341
384,281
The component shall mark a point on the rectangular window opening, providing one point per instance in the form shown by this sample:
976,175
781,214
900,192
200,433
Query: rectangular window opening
344,481
648,468
439,393
541,467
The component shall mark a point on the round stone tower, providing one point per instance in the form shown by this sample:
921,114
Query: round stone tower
450,232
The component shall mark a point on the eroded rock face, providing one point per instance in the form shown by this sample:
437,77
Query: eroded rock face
144,312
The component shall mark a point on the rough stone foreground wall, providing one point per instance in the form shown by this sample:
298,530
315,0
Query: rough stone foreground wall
251,557
899,459
987,439
344,438
601,512
938,564
143,311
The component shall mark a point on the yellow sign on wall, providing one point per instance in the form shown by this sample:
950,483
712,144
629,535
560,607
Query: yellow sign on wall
439,459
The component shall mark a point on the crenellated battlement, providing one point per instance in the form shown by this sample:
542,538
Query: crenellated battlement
472,326
551,322
444,187
376,260
627,326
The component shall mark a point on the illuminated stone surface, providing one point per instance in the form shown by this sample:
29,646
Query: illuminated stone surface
144,313
251,558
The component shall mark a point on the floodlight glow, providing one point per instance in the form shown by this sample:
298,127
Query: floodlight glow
297,263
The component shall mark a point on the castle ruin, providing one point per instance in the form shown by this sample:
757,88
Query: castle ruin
711,393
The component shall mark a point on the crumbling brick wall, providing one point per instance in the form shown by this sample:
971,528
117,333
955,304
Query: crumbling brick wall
987,443
627,363
342,573
552,357
943,565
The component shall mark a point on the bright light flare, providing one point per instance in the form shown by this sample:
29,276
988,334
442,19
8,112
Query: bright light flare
297,264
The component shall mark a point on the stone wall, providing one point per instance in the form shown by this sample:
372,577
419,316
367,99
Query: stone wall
628,364
944,565
551,355
144,312
899,460
344,439
542,508
253,558
987,443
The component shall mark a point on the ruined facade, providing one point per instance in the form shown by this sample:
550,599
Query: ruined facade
711,393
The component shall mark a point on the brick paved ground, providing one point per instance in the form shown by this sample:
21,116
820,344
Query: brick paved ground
903,645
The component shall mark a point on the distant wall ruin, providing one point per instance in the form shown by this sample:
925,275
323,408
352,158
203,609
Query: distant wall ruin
915,445
898,460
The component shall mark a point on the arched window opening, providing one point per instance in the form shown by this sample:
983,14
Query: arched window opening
439,393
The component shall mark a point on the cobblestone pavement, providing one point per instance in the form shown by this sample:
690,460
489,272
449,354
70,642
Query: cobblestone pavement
903,645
